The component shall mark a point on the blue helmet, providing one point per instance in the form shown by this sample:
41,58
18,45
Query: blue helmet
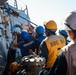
24,35
40,30
63,32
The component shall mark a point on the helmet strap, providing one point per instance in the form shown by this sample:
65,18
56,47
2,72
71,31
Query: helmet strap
70,28
50,32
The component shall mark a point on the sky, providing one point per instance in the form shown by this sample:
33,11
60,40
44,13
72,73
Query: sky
45,10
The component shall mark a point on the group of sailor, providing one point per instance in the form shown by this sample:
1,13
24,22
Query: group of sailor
59,54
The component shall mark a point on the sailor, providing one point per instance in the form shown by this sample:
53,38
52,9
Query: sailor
65,63
50,47
39,37
14,55
17,52
26,44
65,34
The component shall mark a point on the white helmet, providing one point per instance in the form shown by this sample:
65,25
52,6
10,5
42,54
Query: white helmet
71,21
17,29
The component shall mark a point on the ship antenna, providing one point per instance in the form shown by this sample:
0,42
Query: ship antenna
26,10
15,4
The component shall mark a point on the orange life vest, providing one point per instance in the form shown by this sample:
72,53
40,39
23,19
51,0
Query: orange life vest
54,43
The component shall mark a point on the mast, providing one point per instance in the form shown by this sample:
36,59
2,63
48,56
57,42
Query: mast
27,10
15,4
